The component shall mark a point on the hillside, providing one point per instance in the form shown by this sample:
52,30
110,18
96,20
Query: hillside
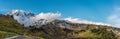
85,31
57,29
9,27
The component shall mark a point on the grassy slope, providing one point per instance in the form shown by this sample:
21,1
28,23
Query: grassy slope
87,32
9,27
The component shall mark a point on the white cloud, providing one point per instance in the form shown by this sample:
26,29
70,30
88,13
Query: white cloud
115,18
48,16
77,20
3,11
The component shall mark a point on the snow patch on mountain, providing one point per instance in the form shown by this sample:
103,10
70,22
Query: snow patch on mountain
29,19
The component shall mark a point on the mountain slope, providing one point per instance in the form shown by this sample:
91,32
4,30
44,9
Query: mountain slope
30,19
14,24
57,29
9,27
85,31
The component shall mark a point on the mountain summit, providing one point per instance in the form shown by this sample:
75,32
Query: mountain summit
29,19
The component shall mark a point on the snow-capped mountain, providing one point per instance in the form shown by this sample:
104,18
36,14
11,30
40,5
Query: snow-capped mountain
21,16
53,26
30,19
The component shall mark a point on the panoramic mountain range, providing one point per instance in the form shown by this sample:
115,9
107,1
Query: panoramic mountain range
30,19
27,25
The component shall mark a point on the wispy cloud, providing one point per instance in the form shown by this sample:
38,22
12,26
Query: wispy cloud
3,11
77,20
115,17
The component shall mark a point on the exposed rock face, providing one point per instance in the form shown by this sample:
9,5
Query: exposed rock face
30,19
63,30
55,29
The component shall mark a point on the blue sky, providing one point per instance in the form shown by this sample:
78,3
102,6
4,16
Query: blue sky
93,10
